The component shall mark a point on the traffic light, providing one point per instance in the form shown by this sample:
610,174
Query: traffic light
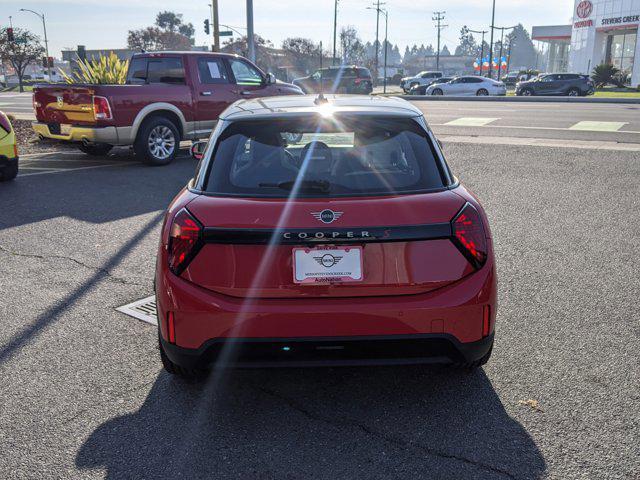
206,27
10,36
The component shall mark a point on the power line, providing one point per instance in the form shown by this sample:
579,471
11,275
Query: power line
438,17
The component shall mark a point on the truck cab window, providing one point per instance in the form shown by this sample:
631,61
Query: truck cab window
137,74
165,70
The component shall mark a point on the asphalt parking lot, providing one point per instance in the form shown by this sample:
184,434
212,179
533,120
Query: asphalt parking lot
82,393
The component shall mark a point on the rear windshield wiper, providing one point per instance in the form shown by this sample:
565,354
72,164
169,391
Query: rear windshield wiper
321,186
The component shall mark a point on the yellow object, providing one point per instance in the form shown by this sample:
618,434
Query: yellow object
105,70
8,143
8,150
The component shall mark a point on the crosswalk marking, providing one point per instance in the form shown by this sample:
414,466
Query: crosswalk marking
598,126
471,121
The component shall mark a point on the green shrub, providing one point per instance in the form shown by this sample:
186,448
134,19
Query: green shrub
104,70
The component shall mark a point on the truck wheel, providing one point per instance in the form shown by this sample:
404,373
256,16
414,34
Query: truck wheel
9,173
157,141
98,149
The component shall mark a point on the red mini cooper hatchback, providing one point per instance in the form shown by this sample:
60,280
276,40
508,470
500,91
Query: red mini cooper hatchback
324,232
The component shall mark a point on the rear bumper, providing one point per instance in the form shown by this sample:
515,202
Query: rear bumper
79,134
329,351
445,319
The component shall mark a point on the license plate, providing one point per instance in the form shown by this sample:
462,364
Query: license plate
65,128
327,265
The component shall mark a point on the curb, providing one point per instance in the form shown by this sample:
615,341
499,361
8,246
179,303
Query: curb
535,99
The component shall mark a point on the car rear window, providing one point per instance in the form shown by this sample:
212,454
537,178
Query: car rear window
316,156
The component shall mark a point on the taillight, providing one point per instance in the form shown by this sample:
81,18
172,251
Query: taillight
184,241
468,235
101,108
4,123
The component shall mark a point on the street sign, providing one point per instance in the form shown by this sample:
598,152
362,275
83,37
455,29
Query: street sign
225,33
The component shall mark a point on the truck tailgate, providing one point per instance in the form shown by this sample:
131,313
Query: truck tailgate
59,104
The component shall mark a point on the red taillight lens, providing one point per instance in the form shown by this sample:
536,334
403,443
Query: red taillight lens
101,108
171,328
468,235
4,123
184,241
486,321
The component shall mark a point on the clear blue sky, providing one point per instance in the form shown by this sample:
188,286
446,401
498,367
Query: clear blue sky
104,23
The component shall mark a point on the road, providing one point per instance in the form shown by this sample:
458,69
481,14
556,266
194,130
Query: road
82,394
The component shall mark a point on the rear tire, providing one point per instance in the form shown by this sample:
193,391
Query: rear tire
483,92
573,92
99,149
157,142
192,374
436,91
527,92
9,173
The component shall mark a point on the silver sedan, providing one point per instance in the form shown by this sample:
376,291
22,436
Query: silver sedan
468,86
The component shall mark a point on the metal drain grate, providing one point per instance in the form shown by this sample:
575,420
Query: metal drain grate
144,309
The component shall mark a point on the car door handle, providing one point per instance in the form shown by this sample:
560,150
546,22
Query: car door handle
205,94
245,92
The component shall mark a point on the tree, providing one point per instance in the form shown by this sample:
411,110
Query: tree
468,44
168,33
445,52
604,74
263,47
21,52
353,50
523,53
303,53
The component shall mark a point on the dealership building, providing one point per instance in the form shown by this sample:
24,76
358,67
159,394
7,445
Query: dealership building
603,31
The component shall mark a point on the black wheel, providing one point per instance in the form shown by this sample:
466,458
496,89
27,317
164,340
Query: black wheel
573,92
9,172
192,374
527,92
482,92
157,141
436,91
470,366
413,84
99,149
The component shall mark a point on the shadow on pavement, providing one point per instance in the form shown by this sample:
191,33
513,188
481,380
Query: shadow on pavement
391,422
95,195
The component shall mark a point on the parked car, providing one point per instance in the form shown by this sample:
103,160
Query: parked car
468,86
422,89
342,79
422,78
168,97
571,84
8,149
511,78
355,245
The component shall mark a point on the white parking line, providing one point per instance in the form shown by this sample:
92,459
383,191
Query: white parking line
71,169
521,127
471,121
598,126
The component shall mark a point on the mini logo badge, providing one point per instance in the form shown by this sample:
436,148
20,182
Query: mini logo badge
327,260
584,9
60,100
327,215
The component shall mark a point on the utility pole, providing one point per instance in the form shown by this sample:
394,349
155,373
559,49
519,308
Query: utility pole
481,46
216,26
250,40
502,29
438,17
46,42
493,19
386,47
377,8
335,28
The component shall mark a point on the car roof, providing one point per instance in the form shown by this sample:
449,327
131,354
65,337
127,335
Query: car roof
283,106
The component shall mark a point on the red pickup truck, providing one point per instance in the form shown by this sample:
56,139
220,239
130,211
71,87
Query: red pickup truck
168,97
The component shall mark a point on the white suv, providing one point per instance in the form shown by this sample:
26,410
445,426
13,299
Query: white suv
422,78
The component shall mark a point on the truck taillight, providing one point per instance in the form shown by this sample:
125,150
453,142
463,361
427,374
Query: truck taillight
101,108
468,235
184,241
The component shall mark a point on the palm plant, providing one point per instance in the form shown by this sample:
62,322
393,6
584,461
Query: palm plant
100,71
604,74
